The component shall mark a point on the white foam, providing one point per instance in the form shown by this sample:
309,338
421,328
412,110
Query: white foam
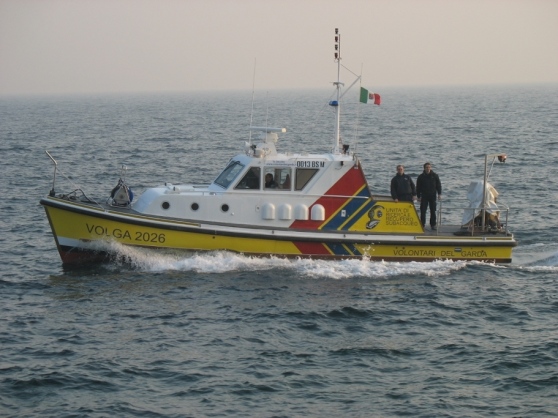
376,269
223,262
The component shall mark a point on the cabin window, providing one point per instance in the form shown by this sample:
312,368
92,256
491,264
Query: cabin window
251,179
277,178
228,175
303,176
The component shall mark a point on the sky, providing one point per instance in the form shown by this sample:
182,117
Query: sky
121,46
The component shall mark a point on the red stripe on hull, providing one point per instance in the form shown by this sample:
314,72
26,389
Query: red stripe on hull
349,184
312,249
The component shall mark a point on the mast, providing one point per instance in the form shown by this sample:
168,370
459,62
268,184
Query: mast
337,85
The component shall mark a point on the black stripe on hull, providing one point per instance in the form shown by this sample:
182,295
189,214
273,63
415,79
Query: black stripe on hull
75,255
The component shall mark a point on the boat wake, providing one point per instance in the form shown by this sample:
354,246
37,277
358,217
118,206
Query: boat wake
148,260
549,263
536,257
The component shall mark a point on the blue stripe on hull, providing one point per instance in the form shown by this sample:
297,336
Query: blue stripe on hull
355,204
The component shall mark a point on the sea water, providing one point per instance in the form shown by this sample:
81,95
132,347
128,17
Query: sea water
221,334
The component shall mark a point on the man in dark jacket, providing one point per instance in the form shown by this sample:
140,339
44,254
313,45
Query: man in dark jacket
402,186
428,186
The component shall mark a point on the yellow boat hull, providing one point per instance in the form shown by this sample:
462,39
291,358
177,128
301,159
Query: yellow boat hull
78,227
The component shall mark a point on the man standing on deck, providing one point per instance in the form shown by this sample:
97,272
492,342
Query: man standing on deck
428,185
402,186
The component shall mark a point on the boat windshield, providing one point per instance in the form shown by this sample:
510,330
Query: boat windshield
228,175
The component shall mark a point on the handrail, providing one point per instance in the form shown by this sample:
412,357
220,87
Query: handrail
52,192
501,210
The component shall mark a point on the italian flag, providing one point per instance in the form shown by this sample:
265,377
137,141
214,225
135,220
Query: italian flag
365,95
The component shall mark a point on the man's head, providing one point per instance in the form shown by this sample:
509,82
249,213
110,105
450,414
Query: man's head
427,167
400,169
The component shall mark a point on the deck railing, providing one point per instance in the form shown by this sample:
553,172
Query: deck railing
483,220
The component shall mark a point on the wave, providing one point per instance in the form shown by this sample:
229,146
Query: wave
536,257
154,261
549,263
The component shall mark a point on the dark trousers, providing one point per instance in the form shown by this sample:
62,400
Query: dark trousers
425,203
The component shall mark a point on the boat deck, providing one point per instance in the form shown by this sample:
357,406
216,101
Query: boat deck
457,230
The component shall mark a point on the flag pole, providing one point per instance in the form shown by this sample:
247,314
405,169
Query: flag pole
338,85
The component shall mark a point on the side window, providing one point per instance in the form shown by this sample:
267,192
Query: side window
284,176
251,179
303,176
277,178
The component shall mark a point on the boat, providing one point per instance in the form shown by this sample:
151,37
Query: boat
284,204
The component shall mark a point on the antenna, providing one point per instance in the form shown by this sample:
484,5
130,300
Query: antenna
337,84
252,111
